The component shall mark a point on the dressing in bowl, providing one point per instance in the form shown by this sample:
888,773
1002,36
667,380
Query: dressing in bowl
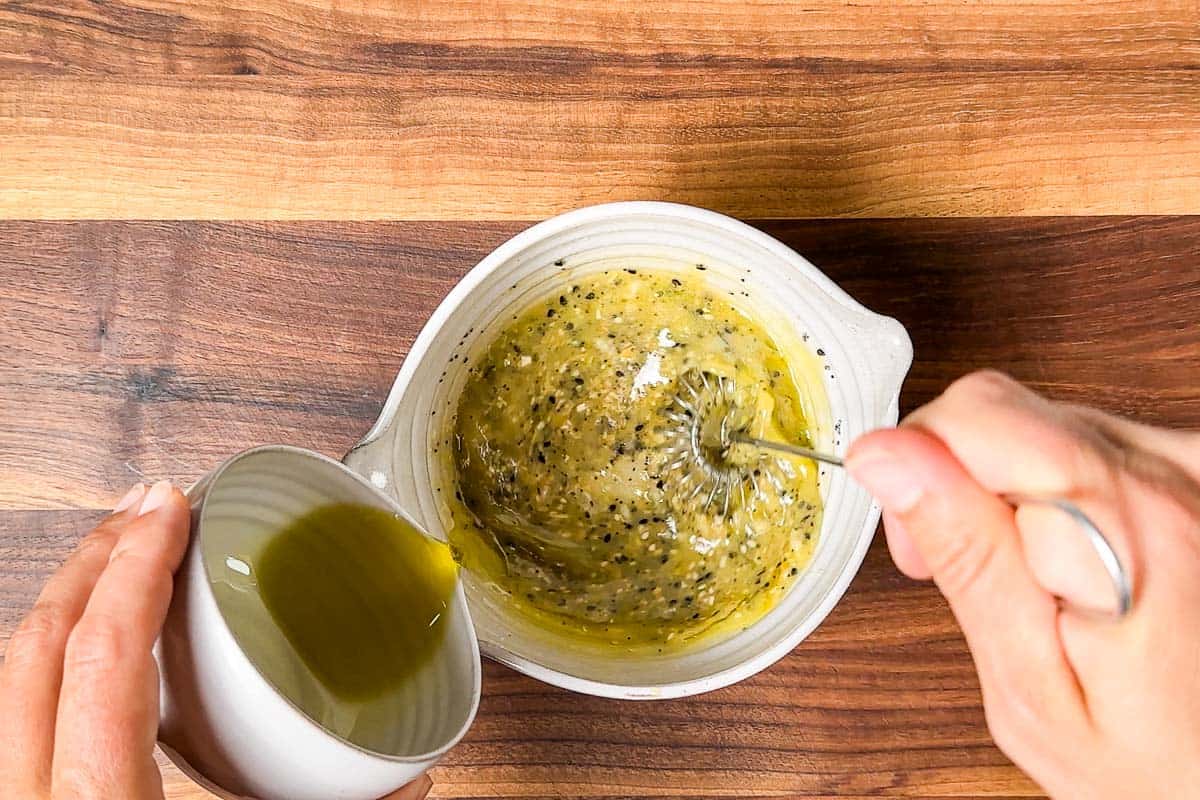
568,501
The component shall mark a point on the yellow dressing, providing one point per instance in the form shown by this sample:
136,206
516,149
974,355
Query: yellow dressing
563,496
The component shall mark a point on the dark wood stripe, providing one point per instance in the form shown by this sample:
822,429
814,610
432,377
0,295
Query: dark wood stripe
143,348
135,348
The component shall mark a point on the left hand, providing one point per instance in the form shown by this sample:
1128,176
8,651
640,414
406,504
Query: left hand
79,686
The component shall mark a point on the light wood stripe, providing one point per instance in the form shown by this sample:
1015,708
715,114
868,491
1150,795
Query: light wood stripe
458,146
156,37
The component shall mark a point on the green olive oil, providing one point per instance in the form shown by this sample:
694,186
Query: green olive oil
361,596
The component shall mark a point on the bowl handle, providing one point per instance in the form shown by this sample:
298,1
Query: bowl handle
889,356
371,458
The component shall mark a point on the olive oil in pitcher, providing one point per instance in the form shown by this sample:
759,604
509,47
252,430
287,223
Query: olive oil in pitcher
353,602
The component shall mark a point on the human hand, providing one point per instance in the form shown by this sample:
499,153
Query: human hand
1087,705
79,686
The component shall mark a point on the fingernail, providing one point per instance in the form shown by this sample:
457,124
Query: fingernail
890,480
131,497
426,784
157,495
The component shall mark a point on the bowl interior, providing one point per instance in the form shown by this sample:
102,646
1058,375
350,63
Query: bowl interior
864,359
247,503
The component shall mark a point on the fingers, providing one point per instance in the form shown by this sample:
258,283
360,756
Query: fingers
415,790
967,538
1162,457
1014,442
108,704
1063,560
32,673
904,550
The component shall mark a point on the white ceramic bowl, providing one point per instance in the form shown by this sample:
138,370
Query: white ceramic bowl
240,733
866,357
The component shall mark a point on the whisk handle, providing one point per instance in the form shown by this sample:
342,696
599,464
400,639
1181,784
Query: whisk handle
790,449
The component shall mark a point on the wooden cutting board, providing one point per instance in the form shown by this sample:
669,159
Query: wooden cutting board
223,224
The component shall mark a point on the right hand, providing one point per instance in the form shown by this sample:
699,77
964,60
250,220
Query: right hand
1090,707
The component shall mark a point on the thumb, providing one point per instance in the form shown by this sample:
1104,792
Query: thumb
968,538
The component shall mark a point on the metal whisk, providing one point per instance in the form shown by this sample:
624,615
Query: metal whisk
705,424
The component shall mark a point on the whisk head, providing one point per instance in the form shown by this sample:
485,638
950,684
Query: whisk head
702,422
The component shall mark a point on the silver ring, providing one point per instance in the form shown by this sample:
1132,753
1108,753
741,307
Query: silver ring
1121,579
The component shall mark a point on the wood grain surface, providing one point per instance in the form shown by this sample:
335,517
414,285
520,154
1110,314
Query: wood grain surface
147,348
272,37
223,224
154,349
772,143
479,110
